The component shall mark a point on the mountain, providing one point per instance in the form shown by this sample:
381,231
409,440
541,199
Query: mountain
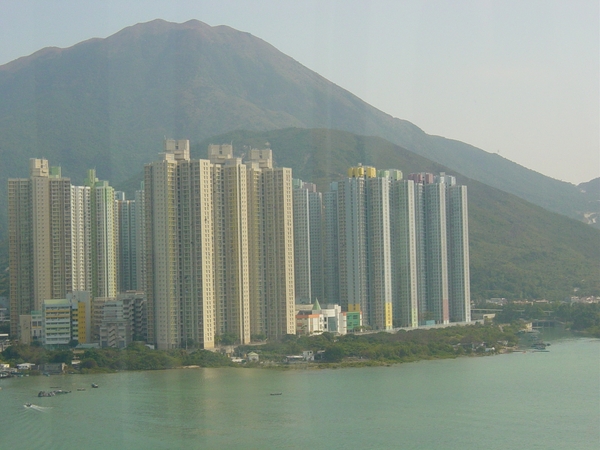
591,191
108,103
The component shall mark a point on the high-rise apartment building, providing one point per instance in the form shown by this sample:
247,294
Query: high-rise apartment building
379,252
103,236
81,238
436,252
231,243
179,249
405,269
308,241
362,243
278,259
39,211
271,236
331,271
458,254
442,248
140,240
127,240
352,241
302,261
397,249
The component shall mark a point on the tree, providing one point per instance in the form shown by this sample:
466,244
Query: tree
228,339
335,353
89,364
62,357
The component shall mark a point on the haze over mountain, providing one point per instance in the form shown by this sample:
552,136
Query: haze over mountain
108,103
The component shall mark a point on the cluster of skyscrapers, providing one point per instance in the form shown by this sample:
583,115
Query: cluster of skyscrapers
397,249
227,245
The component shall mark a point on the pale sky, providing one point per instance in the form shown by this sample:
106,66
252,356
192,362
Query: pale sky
518,77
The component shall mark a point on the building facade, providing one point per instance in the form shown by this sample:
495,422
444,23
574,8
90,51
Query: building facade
40,249
179,249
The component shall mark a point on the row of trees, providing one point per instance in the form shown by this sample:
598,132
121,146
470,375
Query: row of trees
135,357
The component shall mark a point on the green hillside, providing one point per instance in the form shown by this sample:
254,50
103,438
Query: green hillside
108,103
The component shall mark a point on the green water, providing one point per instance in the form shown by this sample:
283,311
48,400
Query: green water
516,401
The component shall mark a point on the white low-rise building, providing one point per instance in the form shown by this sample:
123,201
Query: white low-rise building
320,320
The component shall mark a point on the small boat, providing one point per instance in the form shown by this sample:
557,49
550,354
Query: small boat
27,405
81,389
94,385
60,391
276,393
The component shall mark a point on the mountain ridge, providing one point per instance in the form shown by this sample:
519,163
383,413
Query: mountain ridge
124,92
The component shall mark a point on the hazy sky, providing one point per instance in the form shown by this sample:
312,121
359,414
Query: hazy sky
516,77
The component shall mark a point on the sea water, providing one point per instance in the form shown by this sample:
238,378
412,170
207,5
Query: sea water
533,400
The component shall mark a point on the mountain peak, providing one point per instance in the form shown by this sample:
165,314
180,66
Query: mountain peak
118,97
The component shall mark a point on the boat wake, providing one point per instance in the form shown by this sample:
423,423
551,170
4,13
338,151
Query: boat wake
36,407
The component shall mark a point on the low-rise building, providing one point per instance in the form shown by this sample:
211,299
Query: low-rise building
53,368
123,320
56,322
330,319
25,366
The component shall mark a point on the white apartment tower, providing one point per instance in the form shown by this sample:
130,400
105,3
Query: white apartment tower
81,238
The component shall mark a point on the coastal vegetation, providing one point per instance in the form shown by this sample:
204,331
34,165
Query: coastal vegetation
387,348
348,350
137,356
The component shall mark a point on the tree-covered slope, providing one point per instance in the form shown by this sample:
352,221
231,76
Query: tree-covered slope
108,103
